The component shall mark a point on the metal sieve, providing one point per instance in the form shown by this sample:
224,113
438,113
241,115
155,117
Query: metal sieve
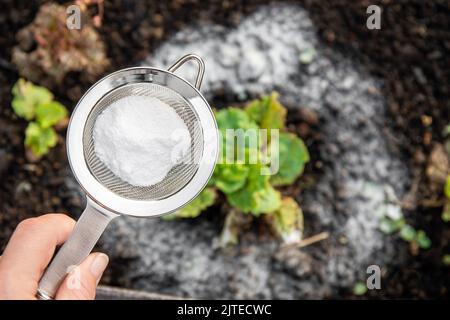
179,176
107,195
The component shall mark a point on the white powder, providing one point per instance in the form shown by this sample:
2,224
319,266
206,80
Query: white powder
140,139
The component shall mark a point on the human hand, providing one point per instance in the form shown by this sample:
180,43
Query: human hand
30,250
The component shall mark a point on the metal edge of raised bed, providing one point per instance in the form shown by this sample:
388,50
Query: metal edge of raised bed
116,293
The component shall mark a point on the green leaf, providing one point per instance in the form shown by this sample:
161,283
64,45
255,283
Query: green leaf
237,119
27,97
359,289
446,211
446,259
287,221
193,209
265,200
241,199
234,118
389,226
50,113
229,178
39,139
422,240
257,195
407,233
447,188
307,56
267,112
23,108
293,155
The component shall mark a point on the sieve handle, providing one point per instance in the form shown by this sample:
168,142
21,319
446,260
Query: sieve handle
200,63
85,235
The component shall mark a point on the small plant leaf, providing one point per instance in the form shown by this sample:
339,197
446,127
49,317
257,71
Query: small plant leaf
293,156
267,112
242,127
389,226
265,200
446,211
359,289
257,195
50,113
446,259
287,221
39,139
229,178
447,188
408,233
205,199
422,240
234,118
27,97
241,199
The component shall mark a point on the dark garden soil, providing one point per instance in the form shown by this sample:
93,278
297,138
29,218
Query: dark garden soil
410,53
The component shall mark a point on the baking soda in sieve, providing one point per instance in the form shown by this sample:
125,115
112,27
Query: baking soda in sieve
140,139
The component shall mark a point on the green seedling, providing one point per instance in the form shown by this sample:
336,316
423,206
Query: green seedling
36,105
446,259
405,231
359,289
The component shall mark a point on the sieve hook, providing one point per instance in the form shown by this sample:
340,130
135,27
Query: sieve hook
201,67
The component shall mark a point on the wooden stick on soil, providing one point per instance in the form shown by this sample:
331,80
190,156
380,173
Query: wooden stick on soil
309,241
315,238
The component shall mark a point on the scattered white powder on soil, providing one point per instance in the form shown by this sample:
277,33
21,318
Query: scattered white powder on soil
138,139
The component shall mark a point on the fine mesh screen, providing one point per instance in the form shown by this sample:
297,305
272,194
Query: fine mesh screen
180,174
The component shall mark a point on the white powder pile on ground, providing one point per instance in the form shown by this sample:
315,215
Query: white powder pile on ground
138,139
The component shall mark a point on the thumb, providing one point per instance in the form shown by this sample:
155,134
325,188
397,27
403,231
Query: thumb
82,280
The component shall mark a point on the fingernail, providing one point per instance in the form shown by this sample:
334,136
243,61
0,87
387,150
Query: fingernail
99,265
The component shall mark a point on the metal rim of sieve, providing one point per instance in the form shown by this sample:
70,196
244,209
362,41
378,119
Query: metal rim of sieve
111,201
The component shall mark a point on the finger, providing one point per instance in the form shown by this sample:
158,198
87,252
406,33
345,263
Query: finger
81,282
28,253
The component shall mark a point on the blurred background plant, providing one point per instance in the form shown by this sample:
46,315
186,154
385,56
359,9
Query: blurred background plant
47,50
446,207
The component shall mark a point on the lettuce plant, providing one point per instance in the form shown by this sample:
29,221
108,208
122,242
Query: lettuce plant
246,190
36,105
47,49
